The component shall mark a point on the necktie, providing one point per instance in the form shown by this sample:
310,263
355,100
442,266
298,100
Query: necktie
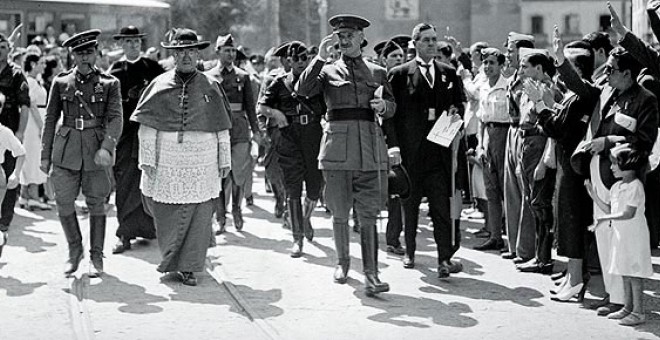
427,73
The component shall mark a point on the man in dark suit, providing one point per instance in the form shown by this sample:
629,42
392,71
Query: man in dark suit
423,90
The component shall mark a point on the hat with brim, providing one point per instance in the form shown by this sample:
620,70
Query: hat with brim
82,40
378,48
398,182
351,21
128,32
184,38
581,158
401,40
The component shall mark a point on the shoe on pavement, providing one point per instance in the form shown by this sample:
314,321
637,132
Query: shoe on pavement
539,267
396,250
600,303
444,269
249,201
455,267
3,240
123,244
22,202
508,256
187,278
618,315
33,204
490,244
408,262
633,319
608,309
519,260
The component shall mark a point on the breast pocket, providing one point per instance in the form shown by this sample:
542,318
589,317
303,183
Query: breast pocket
68,103
338,91
98,101
59,144
334,143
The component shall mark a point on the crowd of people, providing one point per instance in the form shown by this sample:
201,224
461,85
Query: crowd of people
555,145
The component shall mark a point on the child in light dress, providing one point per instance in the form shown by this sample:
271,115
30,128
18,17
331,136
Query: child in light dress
631,255
8,142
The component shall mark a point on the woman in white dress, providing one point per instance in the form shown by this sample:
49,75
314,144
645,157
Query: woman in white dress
31,177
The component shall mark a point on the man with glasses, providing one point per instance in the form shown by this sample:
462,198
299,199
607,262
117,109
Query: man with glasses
352,157
14,115
237,86
299,121
134,72
81,150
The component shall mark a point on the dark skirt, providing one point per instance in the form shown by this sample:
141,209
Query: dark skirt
574,210
133,220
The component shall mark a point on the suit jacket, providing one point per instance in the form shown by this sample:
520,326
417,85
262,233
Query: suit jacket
411,122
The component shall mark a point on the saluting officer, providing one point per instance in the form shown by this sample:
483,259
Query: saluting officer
299,122
82,148
353,157
237,86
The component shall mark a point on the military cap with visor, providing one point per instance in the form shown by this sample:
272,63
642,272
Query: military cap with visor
180,38
390,47
83,40
281,50
351,21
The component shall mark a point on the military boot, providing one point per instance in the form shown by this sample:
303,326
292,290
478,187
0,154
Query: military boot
236,200
295,212
308,210
340,231
74,239
369,242
220,212
96,239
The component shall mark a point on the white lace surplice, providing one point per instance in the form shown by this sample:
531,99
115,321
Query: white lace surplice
186,172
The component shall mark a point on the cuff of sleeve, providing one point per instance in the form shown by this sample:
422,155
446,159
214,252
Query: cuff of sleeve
108,144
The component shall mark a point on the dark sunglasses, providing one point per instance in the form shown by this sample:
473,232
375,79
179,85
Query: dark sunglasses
301,57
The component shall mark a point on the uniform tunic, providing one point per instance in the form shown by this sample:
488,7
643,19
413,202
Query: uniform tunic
71,150
133,76
353,151
300,141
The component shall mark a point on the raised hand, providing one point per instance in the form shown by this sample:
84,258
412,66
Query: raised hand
558,46
328,40
15,35
615,21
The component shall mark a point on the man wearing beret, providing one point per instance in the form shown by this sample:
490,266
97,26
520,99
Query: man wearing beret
134,73
14,115
81,150
353,155
425,88
237,86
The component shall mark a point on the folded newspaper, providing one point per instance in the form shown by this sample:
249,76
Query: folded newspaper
445,129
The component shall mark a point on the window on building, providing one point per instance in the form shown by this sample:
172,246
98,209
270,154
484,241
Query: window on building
537,24
604,23
8,21
572,24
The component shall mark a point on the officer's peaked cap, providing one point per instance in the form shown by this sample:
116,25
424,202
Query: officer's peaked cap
348,21
83,40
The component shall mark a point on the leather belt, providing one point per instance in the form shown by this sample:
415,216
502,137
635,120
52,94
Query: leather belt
303,119
497,125
351,114
236,106
86,123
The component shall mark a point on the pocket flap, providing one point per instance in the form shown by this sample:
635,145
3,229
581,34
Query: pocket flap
63,131
332,129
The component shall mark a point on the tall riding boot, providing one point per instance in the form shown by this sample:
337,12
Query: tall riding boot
236,201
340,232
96,238
295,212
308,210
74,239
220,211
280,200
369,242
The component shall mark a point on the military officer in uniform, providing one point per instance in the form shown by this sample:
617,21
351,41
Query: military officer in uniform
81,150
14,86
237,86
353,156
299,122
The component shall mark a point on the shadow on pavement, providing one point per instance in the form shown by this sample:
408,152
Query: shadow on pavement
15,287
144,250
479,290
262,301
133,298
397,309
20,235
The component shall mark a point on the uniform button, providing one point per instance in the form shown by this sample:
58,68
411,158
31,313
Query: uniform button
81,105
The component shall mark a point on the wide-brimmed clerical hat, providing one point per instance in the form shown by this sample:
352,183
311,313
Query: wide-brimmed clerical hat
184,38
128,32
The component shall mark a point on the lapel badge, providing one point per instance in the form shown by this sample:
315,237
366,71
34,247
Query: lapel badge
98,88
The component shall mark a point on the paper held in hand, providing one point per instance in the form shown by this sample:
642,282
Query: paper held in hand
444,130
